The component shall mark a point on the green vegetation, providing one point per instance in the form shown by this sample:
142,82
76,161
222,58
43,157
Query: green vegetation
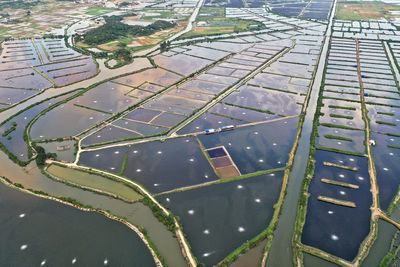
123,54
337,137
342,107
18,4
351,153
164,46
42,156
386,123
114,29
331,125
167,220
123,166
341,116
70,200
392,257
10,130
93,181
386,113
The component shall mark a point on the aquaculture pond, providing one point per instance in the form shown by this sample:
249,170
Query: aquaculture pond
181,64
108,133
333,228
266,100
159,166
33,229
259,147
219,218
107,97
341,139
387,157
65,150
224,114
66,120
12,131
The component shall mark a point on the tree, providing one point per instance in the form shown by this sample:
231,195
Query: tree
124,54
165,45
42,156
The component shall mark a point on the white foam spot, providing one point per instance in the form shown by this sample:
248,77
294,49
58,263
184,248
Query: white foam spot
206,232
239,186
116,152
135,151
247,147
257,200
22,215
73,261
43,263
351,159
342,193
330,212
260,160
24,246
191,160
97,155
159,152
385,169
105,262
341,175
334,237
360,178
138,170
190,212
241,229
167,199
